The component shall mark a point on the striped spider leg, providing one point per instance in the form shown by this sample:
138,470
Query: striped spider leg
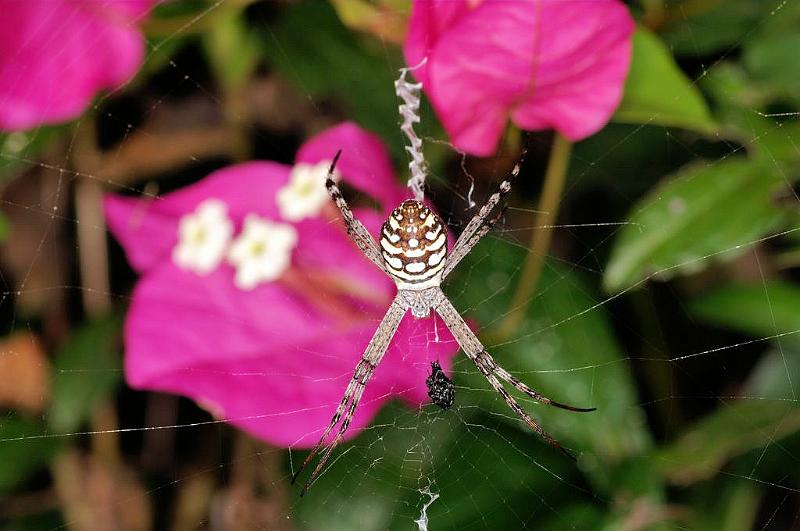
481,223
475,351
355,229
352,395
413,252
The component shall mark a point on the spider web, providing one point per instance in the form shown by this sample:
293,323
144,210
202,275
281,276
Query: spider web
471,467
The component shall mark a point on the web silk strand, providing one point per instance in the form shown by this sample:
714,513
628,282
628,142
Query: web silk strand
409,113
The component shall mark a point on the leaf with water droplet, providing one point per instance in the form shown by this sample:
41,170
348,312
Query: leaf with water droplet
705,212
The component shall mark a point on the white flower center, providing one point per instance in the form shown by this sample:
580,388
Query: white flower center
262,252
203,237
305,193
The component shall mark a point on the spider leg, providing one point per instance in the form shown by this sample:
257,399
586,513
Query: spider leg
355,229
355,389
507,376
366,372
478,226
483,231
475,350
480,361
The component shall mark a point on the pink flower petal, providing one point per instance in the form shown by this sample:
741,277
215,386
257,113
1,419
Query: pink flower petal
148,228
56,55
582,69
324,247
430,21
208,319
371,219
364,163
543,63
268,360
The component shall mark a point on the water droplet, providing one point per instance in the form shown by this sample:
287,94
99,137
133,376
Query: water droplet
677,205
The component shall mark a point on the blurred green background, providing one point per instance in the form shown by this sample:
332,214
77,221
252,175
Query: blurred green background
670,296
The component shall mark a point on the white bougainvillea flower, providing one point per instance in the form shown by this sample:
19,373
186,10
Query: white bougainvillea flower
305,194
262,252
203,237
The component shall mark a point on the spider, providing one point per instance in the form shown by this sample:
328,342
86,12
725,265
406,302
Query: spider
413,252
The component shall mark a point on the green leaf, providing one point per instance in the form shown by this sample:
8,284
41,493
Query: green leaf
731,88
232,51
729,432
378,469
5,228
777,374
762,310
657,92
739,508
742,105
20,456
577,516
481,466
86,370
773,59
489,473
705,212
565,349
725,504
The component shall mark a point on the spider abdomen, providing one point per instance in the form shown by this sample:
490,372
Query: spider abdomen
414,246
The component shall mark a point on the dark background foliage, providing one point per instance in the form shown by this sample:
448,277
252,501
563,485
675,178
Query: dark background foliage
670,295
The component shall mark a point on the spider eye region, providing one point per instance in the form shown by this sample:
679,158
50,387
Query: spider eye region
440,388
414,246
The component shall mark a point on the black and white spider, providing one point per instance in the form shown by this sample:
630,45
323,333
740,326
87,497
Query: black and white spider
413,252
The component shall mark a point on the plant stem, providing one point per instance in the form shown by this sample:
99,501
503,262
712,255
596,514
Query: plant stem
543,222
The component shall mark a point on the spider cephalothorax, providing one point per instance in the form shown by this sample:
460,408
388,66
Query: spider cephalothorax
414,245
